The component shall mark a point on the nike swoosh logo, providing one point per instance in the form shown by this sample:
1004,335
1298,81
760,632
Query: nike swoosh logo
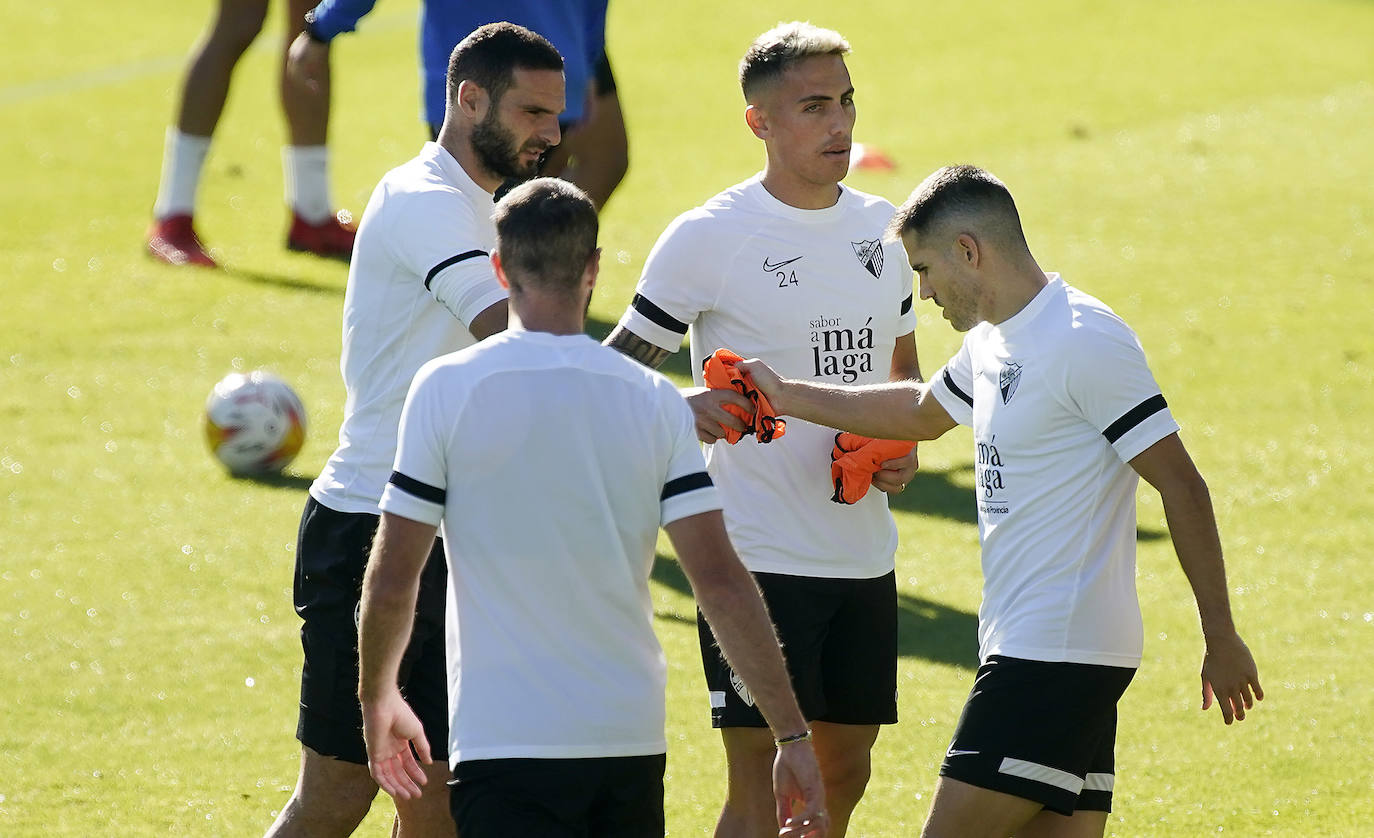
773,266
951,753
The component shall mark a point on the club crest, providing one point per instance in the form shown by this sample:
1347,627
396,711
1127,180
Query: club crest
1008,379
738,684
870,255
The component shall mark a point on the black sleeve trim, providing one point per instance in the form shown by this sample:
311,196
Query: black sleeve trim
452,260
685,483
423,491
657,315
906,304
1133,417
954,388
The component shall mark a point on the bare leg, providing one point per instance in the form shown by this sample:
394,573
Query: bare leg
960,810
596,154
1048,824
331,798
306,107
430,815
236,24
844,755
749,809
844,752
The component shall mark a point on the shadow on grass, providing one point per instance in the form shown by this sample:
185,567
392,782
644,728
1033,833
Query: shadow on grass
925,628
283,480
280,281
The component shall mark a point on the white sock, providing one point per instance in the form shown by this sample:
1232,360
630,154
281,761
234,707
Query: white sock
183,157
306,168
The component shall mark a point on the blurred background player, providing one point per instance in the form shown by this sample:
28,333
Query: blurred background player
314,225
790,266
420,286
594,153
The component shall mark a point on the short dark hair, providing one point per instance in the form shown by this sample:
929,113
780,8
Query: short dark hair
959,193
546,233
491,54
773,52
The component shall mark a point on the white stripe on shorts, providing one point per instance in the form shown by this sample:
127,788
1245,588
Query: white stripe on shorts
1099,782
717,698
1041,774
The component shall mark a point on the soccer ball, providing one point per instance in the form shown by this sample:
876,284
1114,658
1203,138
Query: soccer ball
254,423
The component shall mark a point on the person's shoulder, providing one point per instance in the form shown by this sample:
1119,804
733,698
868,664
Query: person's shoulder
876,206
613,362
1092,319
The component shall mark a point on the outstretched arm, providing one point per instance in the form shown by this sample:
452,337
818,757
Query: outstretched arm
906,366
731,603
899,410
1229,673
387,614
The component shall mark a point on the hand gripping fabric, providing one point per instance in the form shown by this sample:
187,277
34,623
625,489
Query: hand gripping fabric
720,373
854,459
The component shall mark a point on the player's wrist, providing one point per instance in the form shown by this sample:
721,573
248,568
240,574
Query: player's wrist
792,738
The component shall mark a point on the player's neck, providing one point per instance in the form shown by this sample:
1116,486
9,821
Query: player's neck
536,313
799,193
458,144
1015,292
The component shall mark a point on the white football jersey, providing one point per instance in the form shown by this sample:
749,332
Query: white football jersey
420,273
1060,399
818,295
552,461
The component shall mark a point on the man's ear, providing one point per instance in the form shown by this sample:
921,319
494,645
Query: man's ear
473,100
500,271
593,269
967,246
757,121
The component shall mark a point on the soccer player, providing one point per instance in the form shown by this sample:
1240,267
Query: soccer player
420,286
594,153
790,266
314,226
1066,418
556,675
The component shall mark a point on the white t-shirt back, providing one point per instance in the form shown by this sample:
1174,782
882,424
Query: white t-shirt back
818,295
420,273
552,461
1060,399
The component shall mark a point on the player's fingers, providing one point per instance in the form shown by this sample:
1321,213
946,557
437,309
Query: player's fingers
1206,694
411,770
1259,691
422,750
381,772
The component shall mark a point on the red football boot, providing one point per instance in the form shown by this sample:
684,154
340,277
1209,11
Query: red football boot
331,238
173,240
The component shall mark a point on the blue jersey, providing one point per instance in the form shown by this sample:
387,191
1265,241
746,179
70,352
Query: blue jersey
576,28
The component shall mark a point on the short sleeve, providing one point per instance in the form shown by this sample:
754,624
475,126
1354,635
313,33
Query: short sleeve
1109,382
906,311
437,237
687,489
680,281
952,386
418,485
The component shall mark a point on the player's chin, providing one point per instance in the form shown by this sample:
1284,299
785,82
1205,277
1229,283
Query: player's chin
836,162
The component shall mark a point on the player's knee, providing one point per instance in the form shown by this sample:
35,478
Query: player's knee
334,801
846,778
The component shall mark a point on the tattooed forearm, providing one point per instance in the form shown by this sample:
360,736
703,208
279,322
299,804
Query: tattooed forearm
631,344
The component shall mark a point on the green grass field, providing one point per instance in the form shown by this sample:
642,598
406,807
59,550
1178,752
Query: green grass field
1206,168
